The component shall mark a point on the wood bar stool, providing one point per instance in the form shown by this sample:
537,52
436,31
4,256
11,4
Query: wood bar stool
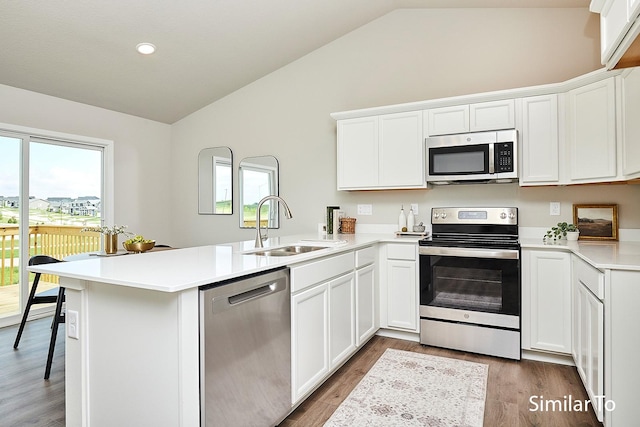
50,296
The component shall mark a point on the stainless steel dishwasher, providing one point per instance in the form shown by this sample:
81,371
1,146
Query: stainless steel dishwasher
245,351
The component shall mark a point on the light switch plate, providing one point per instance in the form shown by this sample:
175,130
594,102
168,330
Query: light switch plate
414,208
554,208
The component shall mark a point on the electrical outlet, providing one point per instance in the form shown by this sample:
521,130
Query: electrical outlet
414,208
554,208
72,322
365,210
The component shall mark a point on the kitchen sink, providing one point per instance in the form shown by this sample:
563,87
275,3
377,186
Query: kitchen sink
286,250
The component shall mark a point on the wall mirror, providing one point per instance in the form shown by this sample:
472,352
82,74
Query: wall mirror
258,177
215,182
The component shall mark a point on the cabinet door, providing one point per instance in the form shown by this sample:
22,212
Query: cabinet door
613,27
591,346
448,120
310,342
401,159
402,306
539,159
631,124
591,131
548,298
342,337
357,153
365,304
492,115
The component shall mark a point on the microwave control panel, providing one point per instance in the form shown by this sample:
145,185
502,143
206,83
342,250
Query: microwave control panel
504,157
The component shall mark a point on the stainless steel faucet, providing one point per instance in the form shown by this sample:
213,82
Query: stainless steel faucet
287,213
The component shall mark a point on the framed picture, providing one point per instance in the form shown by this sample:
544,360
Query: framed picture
596,222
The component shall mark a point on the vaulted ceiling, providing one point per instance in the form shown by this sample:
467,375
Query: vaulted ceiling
85,50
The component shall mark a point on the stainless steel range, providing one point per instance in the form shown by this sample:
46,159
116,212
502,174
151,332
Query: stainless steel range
470,281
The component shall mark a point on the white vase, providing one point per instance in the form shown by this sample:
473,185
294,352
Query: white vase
572,236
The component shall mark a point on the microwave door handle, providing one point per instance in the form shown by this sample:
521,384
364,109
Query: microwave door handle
492,168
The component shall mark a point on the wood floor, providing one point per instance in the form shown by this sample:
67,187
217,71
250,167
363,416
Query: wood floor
26,399
509,388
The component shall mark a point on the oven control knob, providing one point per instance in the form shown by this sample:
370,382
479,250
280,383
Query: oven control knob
503,215
444,215
436,215
511,215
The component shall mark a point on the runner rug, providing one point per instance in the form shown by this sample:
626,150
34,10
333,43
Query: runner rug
412,389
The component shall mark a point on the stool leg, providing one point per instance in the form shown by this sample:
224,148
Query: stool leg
57,319
32,294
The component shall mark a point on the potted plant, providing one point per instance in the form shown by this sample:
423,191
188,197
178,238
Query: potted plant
563,229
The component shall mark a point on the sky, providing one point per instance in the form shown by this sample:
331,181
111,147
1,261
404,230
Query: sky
55,171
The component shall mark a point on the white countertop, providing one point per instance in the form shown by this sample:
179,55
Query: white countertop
180,269
624,255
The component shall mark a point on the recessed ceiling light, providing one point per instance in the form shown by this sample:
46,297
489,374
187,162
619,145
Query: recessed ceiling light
146,48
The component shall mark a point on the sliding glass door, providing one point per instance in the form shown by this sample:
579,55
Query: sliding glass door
50,189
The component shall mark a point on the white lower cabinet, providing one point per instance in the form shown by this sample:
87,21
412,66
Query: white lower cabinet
310,339
332,313
365,304
546,301
399,292
342,335
588,330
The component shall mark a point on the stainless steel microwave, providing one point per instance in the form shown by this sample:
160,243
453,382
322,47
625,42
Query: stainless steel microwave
480,157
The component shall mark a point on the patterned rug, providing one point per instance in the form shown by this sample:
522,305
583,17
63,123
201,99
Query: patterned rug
411,389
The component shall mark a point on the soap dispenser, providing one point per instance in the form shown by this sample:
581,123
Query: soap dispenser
402,219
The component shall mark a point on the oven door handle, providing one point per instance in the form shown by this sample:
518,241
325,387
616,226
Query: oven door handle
470,253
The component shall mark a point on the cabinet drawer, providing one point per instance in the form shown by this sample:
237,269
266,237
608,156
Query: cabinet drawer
589,276
407,252
309,274
365,256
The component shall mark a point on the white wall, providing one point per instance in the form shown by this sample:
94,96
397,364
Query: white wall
141,150
405,56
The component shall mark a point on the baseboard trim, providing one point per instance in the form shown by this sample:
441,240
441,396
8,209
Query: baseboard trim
401,335
540,356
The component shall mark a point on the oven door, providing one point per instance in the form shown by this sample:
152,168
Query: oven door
477,286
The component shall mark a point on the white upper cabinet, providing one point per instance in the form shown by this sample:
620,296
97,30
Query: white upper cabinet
357,152
448,120
492,115
631,123
539,138
476,117
381,152
591,132
619,30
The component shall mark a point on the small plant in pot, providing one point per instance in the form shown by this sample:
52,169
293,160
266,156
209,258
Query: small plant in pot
563,229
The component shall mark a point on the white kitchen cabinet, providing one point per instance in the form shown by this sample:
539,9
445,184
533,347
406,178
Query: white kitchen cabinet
591,132
365,304
539,136
546,300
399,306
358,153
342,335
448,120
622,345
482,116
588,329
619,29
630,81
381,152
310,339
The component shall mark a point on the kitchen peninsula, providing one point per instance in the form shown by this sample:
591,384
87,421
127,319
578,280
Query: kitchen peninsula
136,357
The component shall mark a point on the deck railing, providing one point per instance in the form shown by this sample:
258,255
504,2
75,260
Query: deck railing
57,241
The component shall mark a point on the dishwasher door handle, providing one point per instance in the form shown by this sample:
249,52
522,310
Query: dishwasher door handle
225,302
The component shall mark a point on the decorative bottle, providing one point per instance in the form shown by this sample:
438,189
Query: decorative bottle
411,219
402,219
